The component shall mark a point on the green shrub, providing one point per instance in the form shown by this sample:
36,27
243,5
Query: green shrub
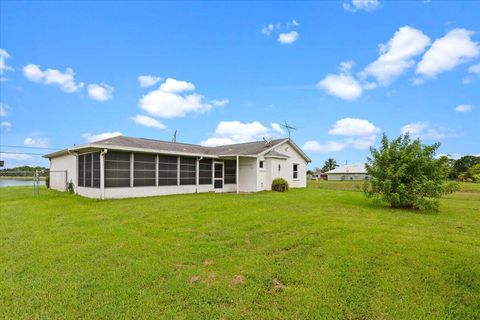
47,181
406,174
279,184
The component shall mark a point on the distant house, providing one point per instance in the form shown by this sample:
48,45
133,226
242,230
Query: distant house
348,172
319,175
123,167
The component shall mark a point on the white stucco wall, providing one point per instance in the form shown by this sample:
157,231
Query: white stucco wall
248,174
286,167
64,163
346,176
134,192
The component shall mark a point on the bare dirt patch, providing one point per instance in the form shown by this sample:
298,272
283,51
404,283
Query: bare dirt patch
194,279
238,279
206,263
277,285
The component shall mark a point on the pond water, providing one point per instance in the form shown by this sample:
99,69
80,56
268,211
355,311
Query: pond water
13,183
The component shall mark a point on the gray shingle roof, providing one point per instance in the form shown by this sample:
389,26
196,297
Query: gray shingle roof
119,142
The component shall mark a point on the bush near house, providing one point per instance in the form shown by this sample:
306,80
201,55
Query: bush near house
280,184
406,174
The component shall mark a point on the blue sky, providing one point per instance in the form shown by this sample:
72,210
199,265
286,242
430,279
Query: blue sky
342,72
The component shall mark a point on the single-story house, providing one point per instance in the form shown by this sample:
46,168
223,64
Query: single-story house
348,172
319,175
121,167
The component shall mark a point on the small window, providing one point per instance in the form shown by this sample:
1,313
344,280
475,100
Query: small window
295,171
260,164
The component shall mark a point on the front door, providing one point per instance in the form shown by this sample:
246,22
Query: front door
218,175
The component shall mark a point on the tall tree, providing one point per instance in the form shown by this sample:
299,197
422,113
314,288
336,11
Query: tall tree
461,166
406,174
330,164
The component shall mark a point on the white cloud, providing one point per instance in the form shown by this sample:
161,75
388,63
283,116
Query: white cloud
41,143
172,100
277,128
89,137
455,48
358,133
148,121
15,156
3,64
268,29
5,124
288,37
464,108
425,131
330,146
100,92
474,69
175,86
353,127
148,81
366,5
294,23
3,109
65,80
219,103
230,132
342,85
396,56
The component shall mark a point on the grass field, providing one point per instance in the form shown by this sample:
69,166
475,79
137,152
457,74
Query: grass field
320,252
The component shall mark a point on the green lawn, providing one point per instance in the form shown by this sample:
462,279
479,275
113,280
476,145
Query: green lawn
334,255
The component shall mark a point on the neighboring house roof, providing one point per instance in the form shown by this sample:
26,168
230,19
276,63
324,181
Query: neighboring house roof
349,168
149,145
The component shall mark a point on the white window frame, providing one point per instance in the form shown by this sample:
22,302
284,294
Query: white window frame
293,171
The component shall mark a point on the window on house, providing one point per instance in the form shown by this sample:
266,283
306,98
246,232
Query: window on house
117,169
205,171
295,171
143,169
260,164
89,170
167,170
96,170
81,170
230,168
188,168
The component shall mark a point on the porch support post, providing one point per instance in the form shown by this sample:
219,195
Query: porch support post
237,171
102,175
131,169
156,170
197,174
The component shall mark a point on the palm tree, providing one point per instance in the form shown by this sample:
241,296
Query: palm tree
330,164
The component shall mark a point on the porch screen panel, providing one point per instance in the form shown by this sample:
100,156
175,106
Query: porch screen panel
143,169
167,170
117,169
188,167
96,170
81,170
88,170
230,171
205,173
